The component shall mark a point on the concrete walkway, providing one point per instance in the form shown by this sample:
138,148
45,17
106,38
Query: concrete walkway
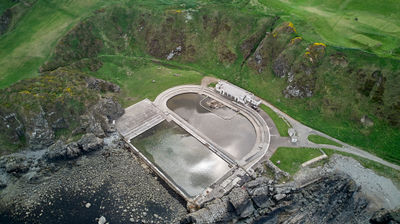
262,129
303,132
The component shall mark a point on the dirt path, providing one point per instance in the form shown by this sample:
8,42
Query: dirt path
208,80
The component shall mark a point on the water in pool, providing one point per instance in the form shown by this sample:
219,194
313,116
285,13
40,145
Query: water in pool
230,130
189,163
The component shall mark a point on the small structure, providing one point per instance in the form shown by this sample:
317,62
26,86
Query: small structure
236,93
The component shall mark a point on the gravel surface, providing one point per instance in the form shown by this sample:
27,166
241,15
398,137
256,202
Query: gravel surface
113,182
380,190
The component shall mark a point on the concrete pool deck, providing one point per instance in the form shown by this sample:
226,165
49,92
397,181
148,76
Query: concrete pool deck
145,114
262,130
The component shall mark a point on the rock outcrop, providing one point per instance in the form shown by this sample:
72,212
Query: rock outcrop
238,46
386,217
5,20
62,151
106,179
35,111
331,199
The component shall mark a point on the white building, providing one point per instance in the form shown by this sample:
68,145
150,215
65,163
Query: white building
236,93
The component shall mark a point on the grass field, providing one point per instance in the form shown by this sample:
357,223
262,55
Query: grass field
322,140
291,158
25,49
5,4
381,139
135,77
280,124
369,25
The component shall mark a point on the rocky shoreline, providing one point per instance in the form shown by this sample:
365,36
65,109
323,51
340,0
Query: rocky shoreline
331,199
341,191
109,182
104,181
99,179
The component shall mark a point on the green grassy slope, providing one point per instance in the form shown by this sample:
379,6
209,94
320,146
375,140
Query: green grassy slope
135,77
322,140
25,48
217,38
344,124
370,25
280,124
5,4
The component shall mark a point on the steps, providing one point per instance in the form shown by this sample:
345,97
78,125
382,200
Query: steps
146,125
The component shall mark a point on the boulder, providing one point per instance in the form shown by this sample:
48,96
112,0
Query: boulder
384,216
3,183
60,150
366,121
72,150
216,211
279,197
16,164
109,108
102,85
102,220
56,151
5,21
261,197
257,182
90,142
241,202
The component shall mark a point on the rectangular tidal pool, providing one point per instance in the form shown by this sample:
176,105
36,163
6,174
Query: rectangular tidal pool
181,157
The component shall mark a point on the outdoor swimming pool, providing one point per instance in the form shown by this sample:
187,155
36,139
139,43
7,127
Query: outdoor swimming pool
233,132
181,157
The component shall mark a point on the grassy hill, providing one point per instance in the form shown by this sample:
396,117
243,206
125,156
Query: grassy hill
25,48
128,43
369,25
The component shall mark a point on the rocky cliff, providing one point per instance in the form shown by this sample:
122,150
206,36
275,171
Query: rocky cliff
62,104
240,45
10,17
330,199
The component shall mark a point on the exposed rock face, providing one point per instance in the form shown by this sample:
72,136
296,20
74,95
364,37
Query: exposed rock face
5,20
279,51
241,202
61,151
109,108
38,132
386,217
339,59
332,199
16,164
108,181
34,110
88,46
301,74
270,47
101,85
238,44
